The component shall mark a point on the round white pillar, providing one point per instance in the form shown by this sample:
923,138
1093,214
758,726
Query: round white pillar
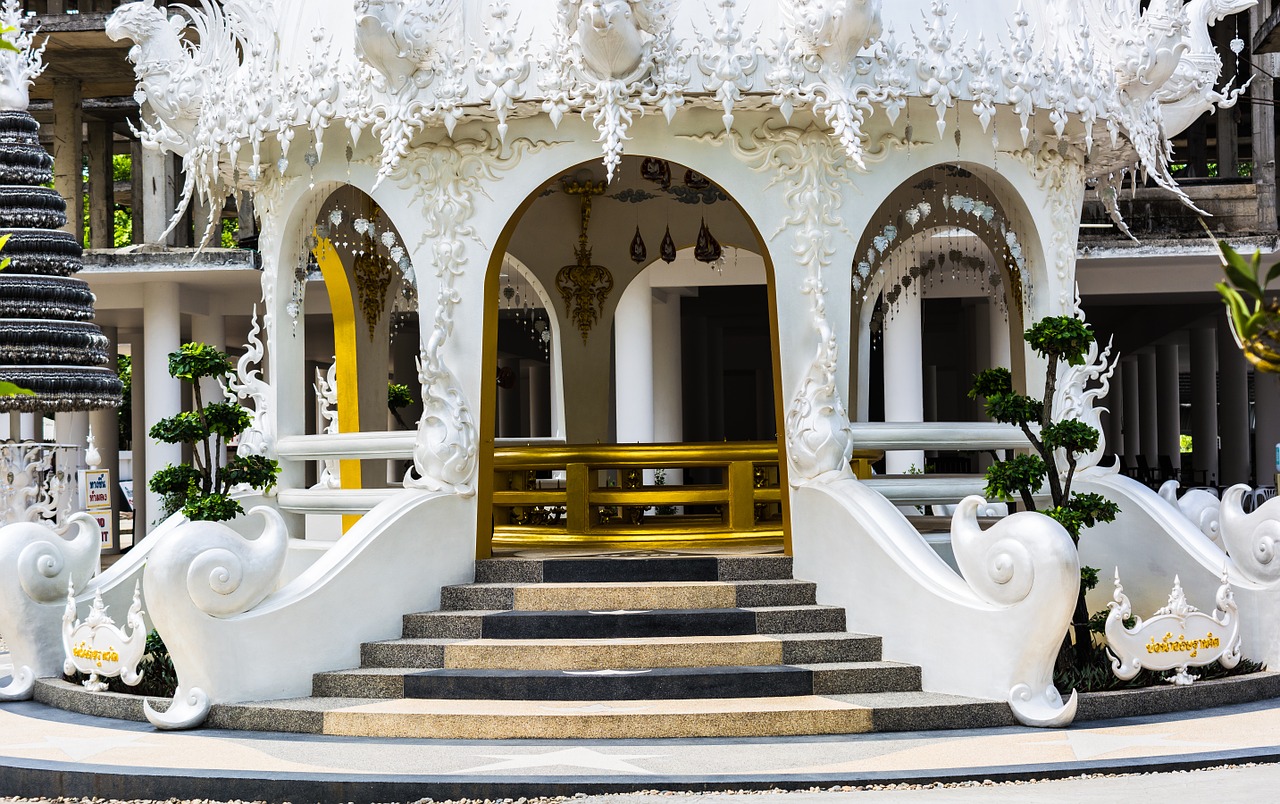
668,377
1204,404
904,378
210,329
162,394
633,363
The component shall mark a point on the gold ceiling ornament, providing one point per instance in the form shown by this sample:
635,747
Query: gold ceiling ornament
372,273
584,286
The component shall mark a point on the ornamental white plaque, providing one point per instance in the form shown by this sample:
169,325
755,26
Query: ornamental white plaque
98,647
1178,636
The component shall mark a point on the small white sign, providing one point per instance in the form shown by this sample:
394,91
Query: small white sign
95,488
1178,636
106,527
98,647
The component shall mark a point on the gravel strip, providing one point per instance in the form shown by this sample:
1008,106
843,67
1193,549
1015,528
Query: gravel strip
1095,789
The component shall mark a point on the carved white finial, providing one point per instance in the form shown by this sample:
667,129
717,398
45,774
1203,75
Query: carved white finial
92,458
18,68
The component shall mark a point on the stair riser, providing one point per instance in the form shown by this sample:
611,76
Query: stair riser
529,625
739,594
598,727
746,568
648,686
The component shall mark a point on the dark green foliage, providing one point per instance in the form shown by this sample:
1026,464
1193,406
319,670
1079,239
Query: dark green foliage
1014,408
992,382
202,490
1007,479
1071,435
399,396
1089,578
1063,337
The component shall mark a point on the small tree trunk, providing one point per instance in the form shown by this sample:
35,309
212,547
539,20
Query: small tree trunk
1080,624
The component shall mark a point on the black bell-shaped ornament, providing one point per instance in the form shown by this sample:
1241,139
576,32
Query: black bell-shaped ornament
668,249
638,252
707,248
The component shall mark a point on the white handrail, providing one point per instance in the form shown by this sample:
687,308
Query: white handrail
937,435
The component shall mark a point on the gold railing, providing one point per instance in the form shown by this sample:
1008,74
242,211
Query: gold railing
560,495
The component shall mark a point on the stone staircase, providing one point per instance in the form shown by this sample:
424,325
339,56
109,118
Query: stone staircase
619,648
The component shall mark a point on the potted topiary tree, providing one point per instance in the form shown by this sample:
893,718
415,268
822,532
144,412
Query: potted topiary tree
1058,446
201,490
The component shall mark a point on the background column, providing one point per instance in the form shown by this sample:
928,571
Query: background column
1149,418
1204,404
1170,424
904,378
105,425
1130,375
633,363
161,334
1233,410
68,151
1266,417
668,378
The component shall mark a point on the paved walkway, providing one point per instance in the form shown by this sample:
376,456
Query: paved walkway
44,751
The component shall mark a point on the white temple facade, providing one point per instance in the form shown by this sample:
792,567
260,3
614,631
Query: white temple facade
693,250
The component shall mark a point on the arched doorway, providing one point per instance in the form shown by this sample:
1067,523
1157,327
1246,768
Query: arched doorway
632,270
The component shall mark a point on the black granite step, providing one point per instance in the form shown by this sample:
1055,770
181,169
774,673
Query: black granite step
613,625
746,594
638,569
610,685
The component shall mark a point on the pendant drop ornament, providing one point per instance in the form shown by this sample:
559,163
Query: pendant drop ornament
668,248
638,251
707,248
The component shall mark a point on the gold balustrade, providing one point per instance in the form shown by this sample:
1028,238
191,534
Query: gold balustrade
600,498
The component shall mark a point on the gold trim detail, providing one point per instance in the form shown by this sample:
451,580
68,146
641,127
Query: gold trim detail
347,360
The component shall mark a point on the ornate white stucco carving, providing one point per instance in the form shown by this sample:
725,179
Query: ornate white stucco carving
1076,395
18,70
208,566
820,65
247,384
1191,90
98,647
811,170
1001,565
1253,539
503,67
416,59
327,397
36,483
727,61
1198,506
609,58
37,564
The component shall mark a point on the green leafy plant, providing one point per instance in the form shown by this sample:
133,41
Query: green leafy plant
399,396
201,490
1254,319
1058,339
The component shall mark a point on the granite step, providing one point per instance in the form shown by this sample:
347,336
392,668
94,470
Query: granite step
622,624
620,654
633,569
631,595
614,685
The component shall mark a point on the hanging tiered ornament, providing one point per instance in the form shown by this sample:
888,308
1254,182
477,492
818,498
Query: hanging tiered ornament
707,248
584,285
638,252
668,248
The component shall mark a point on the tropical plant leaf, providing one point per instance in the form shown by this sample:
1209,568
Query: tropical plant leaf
1238,271
13,389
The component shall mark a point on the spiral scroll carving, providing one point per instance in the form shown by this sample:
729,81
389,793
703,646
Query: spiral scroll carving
226,573
996,562
187,711
1250,539
48,563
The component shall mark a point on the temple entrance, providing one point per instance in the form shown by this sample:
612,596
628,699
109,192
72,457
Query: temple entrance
634,400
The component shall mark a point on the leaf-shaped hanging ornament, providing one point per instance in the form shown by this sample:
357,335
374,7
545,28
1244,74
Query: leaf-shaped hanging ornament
638,252
707,248
668,248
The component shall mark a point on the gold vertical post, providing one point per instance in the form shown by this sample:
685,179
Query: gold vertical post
578,497
742,502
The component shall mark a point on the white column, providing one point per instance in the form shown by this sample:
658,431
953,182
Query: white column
1204,403
158,197
106,437
633,363
31,427
1000,348
210,329
668,376
1170,418
904,377
1266,417
1149,416
1233,410
162,397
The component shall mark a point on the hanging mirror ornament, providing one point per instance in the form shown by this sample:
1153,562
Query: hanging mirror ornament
668,248
656,170
707,248
638,252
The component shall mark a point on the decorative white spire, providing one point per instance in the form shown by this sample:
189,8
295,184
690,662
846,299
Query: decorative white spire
20,62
